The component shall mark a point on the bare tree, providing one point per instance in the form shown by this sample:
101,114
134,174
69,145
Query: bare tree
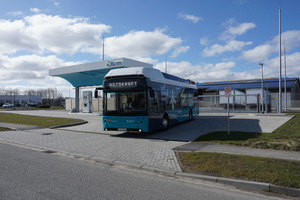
50,95
16,92
30,92
2,91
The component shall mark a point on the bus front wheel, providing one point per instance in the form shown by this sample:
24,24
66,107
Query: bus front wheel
165,122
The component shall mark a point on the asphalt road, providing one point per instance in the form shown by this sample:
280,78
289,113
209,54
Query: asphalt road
29,174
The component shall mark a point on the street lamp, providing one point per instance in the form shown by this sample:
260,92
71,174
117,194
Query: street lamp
262,87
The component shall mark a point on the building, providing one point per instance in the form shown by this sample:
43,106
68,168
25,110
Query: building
20,100
253,87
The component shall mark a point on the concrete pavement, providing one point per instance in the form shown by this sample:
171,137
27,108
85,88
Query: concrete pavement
152,151
149,149
231,149
188,131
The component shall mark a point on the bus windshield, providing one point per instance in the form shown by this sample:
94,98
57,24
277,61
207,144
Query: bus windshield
125,103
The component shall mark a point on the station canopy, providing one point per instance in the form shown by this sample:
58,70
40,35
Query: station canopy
92,74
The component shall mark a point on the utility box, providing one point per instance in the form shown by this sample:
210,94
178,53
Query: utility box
87,102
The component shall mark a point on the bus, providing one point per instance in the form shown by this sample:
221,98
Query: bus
145,99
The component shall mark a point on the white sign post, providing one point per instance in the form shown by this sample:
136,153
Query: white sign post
228,95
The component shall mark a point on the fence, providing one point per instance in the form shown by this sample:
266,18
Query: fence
237,103
217,103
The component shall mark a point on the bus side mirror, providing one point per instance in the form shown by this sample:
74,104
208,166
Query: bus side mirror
96,94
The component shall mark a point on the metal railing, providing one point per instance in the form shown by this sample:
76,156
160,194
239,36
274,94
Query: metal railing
237,103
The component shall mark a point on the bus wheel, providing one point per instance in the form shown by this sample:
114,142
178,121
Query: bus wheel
165,122
190,115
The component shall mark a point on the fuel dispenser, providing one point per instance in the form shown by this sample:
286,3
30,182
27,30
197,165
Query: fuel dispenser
87,102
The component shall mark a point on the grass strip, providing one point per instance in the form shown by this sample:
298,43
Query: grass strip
286,137
35,108
275,171
36,120
4,129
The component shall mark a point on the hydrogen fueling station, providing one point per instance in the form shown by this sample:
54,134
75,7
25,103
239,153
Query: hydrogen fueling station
91,75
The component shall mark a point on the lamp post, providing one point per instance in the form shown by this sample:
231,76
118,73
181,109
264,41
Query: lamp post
280,86
262,87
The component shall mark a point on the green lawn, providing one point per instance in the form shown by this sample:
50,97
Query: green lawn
275,171
287,137
42,107
4,129
36,120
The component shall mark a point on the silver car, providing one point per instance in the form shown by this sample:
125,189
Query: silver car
8,105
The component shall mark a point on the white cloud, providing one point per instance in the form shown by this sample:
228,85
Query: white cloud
42,35
57,4
179,50
291,39
15,13
241,28
191,18
142,44
233,29
45,33
205,72
28,66
230,46
35,10
271,67
262,52
204,41
259,53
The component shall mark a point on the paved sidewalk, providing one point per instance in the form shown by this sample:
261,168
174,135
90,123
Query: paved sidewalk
231,149
132,151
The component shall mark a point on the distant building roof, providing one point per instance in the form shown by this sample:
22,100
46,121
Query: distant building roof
270,83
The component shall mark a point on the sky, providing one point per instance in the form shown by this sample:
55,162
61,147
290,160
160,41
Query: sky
202,40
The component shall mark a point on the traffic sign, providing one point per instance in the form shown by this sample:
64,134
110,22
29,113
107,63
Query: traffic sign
228,94
227,89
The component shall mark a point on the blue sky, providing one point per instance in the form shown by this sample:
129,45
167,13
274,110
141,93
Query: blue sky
203,40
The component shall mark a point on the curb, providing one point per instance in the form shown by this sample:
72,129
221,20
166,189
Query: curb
68,125
242,184
248,185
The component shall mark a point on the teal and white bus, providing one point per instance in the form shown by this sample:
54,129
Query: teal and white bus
145,99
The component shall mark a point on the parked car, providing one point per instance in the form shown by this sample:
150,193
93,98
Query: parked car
8,105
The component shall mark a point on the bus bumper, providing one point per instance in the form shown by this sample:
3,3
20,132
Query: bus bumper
126,123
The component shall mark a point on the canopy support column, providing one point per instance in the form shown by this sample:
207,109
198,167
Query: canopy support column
76,99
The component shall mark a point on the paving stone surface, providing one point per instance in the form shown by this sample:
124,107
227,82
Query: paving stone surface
135,151
141,149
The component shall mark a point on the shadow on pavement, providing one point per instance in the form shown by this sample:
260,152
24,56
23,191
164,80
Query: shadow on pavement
189,131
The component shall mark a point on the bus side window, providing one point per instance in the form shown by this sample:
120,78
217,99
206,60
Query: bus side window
153,104
151,93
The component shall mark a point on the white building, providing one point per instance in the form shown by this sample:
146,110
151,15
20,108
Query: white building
20,99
